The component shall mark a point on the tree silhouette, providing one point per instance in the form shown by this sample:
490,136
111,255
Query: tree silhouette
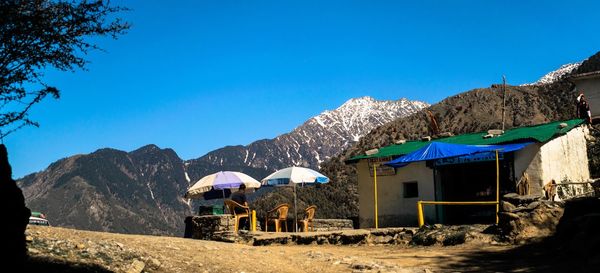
41,34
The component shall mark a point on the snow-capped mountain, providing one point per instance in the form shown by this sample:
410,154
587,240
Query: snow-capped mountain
556,74
313,142
142,191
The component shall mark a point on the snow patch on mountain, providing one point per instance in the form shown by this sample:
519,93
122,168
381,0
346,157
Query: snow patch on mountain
316,140
556,74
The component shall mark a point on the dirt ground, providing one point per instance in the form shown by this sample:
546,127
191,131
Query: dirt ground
55,249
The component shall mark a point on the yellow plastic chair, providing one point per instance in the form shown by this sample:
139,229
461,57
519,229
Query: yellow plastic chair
231,205
309,215
282,212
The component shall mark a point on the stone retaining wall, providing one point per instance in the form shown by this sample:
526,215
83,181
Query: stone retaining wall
217,227
332,224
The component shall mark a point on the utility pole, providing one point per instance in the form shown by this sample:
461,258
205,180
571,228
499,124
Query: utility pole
503,100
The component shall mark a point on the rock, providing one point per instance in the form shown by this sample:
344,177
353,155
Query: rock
507,206
437,226
28,239
509,215
154,263
361,266
121,246
80,246
383,239
346,260
518,200
533,205
33,251
136,267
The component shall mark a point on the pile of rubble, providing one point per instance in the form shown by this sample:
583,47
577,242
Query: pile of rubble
525,218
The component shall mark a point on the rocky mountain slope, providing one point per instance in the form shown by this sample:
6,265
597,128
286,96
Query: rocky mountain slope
310,144
112,190
141,191
473,111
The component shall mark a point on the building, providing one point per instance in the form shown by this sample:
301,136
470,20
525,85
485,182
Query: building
557,151
589,85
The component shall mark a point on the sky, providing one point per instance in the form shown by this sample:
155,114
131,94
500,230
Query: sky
199,75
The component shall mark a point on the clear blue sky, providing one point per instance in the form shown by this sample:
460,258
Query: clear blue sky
198,75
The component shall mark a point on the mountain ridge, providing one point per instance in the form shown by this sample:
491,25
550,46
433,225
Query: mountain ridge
141,191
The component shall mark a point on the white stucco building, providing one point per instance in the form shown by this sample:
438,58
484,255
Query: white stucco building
557,151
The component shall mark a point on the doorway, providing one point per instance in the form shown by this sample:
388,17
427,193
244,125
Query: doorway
474,181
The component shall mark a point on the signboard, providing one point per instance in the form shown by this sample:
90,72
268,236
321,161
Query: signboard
382,170
481,157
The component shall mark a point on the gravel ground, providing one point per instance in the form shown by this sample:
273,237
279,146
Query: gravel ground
54,249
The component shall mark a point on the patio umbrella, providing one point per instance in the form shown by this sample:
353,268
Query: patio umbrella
221,181
291,176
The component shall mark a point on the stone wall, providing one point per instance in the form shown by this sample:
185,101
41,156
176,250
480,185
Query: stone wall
528,217
332,224
204,227
220,227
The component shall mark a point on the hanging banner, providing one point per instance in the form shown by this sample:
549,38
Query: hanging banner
480,157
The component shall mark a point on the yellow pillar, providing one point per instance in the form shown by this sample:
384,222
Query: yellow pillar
375,192
253,220
420,213
497,186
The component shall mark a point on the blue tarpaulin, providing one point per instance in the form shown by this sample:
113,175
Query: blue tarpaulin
439,150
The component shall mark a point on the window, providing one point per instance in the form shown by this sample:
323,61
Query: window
411,189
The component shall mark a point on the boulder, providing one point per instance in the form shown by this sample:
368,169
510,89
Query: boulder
520,200
507,206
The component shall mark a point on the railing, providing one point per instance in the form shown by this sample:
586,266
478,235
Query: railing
421,203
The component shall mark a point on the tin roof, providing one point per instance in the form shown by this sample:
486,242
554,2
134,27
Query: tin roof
536,133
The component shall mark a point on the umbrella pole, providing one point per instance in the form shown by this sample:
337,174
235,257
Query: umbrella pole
295,211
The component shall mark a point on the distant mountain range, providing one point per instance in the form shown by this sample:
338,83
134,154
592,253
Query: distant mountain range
141,191
310,144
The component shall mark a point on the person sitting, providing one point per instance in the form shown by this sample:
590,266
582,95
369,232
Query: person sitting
240,198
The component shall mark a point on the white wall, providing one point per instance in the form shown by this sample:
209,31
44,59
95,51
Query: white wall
562,159
394,209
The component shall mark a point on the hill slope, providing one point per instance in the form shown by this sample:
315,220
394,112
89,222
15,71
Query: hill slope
112,190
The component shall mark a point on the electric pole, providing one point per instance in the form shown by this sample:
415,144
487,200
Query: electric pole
503,100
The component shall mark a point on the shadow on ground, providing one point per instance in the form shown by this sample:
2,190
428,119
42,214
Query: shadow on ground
575,247
42,264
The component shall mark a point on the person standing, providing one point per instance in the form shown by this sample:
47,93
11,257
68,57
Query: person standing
583,109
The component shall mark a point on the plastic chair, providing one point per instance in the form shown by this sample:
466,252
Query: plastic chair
309,215
282,211
231,205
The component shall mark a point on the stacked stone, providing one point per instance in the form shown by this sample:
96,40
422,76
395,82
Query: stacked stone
332,224
526,217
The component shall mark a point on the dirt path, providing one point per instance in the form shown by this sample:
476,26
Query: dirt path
120,253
